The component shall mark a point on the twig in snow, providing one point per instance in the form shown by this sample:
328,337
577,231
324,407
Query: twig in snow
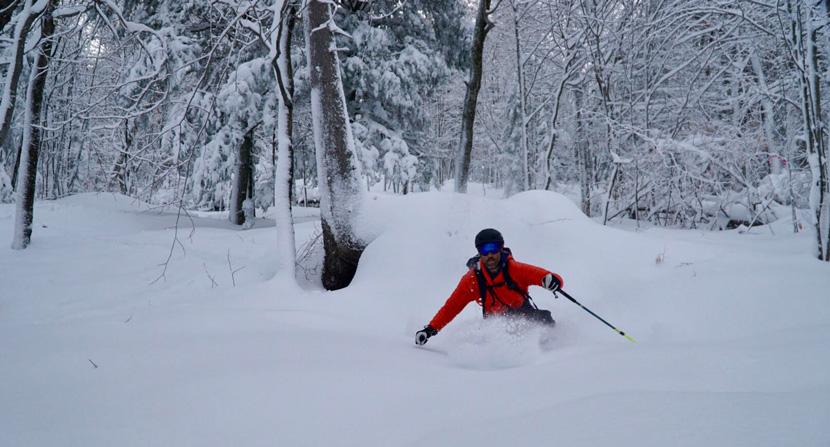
305,252
230,268
93,363
175,242
213,282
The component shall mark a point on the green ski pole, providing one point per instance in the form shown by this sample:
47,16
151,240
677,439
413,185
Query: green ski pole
595,315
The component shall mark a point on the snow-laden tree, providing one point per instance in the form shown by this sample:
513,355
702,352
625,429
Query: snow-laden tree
396,57
284,20
367,153
234,114
22,14
338,168
805,28
399,166
695,114
33,133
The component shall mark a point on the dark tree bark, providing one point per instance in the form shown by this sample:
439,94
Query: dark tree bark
584,156
337,165
243,179
13,71
27,179
16,168
468,118
120,168
7,8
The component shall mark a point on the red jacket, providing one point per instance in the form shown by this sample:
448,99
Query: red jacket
524,275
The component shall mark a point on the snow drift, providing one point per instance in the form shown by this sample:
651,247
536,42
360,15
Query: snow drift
100,348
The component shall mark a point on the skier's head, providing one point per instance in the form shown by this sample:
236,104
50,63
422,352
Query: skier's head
489,240
489,243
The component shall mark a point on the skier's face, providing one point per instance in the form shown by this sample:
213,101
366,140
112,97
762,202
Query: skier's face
491,261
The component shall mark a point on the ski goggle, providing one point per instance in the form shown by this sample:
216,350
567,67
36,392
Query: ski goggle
489,248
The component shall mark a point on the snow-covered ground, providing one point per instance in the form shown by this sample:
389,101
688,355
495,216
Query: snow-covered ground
100,346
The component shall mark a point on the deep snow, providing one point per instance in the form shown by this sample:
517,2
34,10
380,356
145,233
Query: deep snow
97,350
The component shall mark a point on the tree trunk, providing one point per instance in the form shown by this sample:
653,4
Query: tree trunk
120,168
32,138
613,182
338,170
7,11
819,132
284,169
242,178
804,39
583,154
24,23
522,99
555,117
16,168
468,117
769,113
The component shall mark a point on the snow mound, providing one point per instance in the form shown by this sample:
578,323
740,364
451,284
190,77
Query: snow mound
732,333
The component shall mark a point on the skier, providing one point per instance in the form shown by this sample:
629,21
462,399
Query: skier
498,283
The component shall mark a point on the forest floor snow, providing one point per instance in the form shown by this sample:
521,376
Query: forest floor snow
101,345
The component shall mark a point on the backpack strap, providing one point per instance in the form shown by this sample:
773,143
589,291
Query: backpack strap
512,285
474,265
482,290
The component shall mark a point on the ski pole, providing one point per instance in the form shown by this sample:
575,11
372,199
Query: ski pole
595,315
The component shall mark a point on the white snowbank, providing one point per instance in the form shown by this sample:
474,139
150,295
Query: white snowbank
732,333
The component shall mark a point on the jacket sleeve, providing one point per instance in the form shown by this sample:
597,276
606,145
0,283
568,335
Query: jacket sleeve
529,275
465,291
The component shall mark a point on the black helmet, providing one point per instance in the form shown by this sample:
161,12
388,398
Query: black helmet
488,235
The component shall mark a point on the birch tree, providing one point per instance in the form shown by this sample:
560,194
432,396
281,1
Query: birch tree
284,18
803,21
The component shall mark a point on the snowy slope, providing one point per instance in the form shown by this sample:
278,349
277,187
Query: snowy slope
733,333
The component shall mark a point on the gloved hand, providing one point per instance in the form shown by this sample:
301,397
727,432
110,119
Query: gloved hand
423,335
552,282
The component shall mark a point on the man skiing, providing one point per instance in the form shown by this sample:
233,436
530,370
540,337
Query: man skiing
498,283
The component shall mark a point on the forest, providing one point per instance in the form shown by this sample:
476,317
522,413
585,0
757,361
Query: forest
705,114
425,223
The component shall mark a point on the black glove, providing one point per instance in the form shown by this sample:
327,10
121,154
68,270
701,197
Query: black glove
423,335
552,282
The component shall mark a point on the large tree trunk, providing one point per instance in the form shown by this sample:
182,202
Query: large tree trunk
337,165
243,177
284,169
32,138
24,23
468,118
